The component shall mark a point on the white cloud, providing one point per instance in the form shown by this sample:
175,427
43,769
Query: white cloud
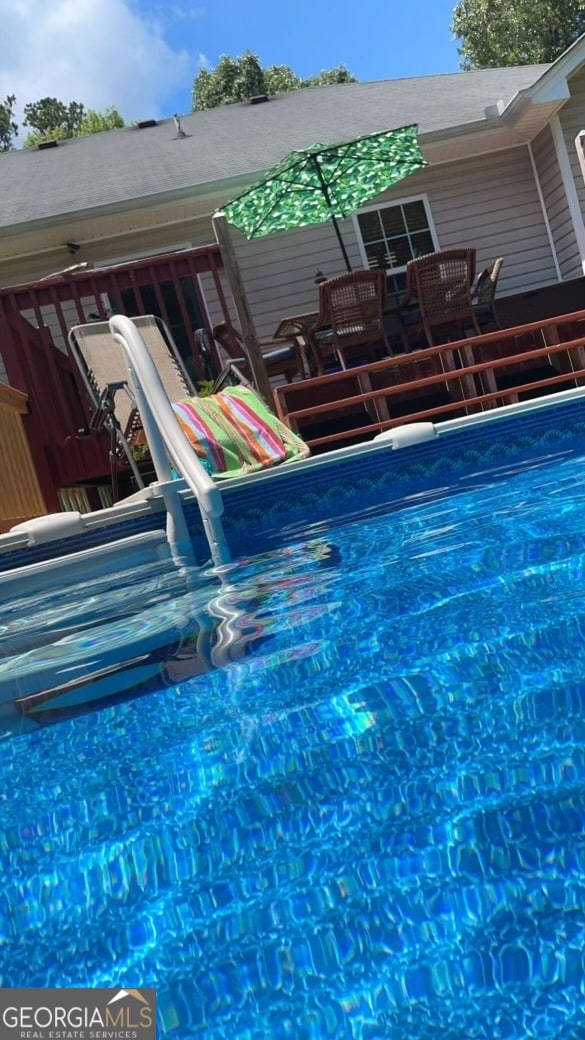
99,52
177,12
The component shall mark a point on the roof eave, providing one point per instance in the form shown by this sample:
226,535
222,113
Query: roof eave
527,112
565,65
199,193
551,87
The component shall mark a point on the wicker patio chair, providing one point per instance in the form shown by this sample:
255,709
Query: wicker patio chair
441,283
103,371
483,297
352,305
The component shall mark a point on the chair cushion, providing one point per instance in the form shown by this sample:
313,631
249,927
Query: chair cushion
325,338
279,354
410,316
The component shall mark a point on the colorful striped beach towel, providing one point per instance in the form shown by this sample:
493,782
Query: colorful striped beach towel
234,432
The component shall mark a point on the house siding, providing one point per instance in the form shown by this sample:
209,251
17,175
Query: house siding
490,202
494,207
555,201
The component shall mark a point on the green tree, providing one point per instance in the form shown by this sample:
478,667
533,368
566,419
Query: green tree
49,114
94,122
329,77
52,120
233,79
495,33
237,79
8,128
280,79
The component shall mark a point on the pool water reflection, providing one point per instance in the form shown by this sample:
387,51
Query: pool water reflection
367,825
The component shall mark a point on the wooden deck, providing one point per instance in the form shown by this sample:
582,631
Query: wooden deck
35,320
539,355
456,378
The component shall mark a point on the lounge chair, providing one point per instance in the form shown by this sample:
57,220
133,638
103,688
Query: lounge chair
233,434
103,370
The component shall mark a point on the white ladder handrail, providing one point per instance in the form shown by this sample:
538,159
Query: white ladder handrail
167,441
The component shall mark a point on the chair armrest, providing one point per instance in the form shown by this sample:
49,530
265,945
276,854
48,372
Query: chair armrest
280,341
323,317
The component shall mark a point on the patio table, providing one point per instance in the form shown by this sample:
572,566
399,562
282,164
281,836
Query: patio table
301,329
296,329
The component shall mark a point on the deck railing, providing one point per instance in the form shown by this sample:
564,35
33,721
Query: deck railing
34,324
466,376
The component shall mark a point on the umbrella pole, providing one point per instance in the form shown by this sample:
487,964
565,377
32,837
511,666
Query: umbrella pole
235,282
327,198
341,243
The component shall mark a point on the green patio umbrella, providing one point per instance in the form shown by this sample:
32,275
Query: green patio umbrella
326,182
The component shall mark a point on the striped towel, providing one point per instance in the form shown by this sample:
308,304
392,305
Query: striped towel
234,432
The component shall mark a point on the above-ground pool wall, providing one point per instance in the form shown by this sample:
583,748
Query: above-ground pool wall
301,501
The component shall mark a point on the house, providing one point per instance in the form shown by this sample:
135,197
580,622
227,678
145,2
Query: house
503,175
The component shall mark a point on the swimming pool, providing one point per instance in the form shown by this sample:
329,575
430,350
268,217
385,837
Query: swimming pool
369,823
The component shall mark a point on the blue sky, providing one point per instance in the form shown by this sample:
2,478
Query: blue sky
142,55
376,39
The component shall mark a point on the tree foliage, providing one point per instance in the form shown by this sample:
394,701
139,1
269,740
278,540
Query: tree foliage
52,120
280,79
237,79
329,77
94,122
49,114
495,33
8,128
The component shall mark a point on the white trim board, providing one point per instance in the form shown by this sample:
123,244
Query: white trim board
569,186
547,226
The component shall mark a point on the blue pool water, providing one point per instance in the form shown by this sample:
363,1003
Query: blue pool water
367,823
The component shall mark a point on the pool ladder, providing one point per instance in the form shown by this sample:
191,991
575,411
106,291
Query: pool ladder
169,448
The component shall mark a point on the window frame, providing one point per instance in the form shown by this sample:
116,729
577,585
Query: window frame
402,201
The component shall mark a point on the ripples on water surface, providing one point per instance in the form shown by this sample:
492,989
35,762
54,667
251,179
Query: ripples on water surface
370,824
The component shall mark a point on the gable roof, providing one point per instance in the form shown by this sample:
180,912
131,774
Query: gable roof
238,141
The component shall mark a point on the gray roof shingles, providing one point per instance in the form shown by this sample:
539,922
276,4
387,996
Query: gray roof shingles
132,164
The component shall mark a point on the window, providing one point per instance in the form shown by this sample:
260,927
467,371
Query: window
392,235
